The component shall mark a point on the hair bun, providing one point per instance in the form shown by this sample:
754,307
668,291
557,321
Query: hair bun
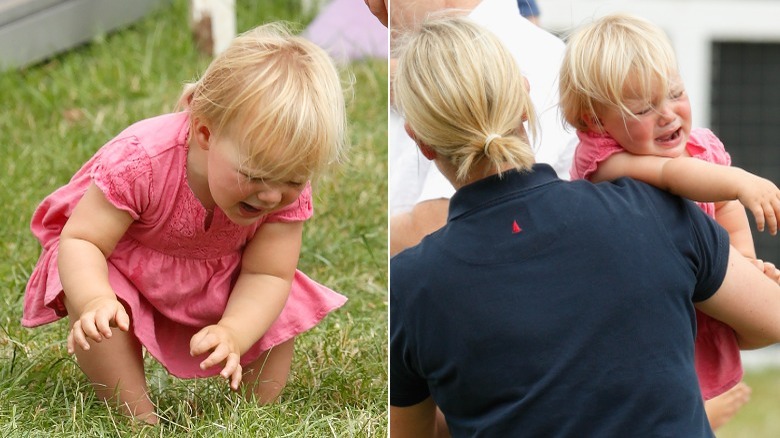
489,139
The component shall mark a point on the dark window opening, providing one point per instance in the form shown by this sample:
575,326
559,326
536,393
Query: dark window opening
745,115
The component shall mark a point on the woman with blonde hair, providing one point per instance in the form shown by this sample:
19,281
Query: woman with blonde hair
545,307
481,133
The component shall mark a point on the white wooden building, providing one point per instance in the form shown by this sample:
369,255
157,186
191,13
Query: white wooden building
33,30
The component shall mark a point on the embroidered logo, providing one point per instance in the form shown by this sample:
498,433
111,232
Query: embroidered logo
516,228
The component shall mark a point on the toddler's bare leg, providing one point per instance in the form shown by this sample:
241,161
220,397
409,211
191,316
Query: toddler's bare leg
265,378
116,369
722,408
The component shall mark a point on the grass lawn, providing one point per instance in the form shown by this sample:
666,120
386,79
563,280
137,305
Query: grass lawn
57,114
759,417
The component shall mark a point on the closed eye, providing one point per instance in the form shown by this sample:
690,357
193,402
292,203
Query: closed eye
643,111
252,179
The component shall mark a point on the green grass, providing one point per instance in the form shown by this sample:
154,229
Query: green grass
759,417
56,114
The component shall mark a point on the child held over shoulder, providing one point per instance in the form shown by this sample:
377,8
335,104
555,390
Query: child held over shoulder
621,89
182,234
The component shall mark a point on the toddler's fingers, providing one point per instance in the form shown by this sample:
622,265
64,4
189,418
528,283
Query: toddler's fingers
79,338
219,354
775,206
771,271
194,341
202,342
231,363
758,213
122,319
238,373
89,328
69,342
770,216
103,322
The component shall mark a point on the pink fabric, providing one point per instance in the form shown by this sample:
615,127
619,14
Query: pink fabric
173,275
348,31
717,357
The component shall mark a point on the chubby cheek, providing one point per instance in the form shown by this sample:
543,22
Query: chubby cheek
229,192
685,115
640,131
289,196
641,134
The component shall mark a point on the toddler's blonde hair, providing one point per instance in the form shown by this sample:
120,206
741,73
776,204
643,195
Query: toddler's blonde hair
615,58
462,93
278,96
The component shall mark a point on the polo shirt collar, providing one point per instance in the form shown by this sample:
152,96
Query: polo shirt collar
487,190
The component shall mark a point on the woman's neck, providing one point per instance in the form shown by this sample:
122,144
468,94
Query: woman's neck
479,171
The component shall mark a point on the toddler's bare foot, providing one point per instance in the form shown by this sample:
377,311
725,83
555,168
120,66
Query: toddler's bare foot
722,408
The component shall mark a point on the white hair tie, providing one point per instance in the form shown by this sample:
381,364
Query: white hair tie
489,139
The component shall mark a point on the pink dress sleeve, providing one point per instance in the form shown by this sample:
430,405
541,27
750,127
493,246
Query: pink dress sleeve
705,145
591,151
300,210
123,173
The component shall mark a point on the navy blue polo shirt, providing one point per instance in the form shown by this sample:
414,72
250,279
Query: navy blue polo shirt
552,308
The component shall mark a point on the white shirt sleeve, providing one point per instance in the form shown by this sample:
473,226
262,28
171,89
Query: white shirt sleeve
435,186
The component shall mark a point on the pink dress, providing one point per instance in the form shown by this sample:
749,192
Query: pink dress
173,275
717,358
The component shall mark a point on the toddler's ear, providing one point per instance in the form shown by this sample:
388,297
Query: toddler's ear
593,123
202,134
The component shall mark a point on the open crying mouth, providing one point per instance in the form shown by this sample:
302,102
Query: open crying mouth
249,208
673,136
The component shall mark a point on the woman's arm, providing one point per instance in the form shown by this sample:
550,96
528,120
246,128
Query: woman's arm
408,229
748,301
423,420
88,238
700,181
267,270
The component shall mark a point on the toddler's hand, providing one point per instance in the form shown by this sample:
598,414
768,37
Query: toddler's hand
95,322
762,198
221,343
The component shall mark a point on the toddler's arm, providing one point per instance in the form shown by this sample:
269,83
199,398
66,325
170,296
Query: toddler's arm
700,181
731,216
267,269
88,238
